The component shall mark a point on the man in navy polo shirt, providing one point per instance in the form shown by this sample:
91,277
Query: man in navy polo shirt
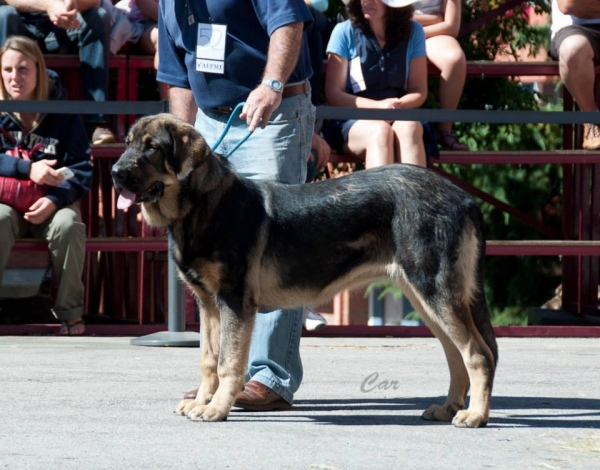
215,54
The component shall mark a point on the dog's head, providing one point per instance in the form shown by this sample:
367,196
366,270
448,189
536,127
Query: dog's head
161,152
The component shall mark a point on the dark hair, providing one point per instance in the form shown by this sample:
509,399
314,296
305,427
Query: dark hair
398,23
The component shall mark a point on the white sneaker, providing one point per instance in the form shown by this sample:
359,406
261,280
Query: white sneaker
313,320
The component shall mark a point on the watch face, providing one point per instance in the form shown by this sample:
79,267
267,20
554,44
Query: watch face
276,85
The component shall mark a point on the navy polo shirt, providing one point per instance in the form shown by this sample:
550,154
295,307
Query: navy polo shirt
236,33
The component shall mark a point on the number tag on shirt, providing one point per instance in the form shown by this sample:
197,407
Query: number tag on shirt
210,48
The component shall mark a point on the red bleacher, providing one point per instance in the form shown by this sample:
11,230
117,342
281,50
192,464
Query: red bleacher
126,263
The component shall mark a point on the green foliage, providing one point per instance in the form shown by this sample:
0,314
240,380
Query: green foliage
383,288
506,33
512,284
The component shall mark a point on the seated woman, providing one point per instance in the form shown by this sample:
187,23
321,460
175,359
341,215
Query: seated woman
441,21
376,59
54,217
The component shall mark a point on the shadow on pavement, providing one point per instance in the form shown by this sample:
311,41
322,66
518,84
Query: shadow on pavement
531,412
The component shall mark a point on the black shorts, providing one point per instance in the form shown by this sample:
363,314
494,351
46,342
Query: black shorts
590,31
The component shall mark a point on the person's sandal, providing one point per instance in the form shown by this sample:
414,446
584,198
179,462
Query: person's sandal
72,329
449,141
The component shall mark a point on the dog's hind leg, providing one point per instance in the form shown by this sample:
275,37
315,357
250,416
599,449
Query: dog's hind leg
459,377
471,360
479,351
236,333
457,312
459,380
210,332
454,326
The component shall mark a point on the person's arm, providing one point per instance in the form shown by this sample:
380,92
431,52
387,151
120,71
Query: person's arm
172,71
32,6
73,151
335,87
284,49
182,103
60,13
588,9
449,23
48,6
322,148
14,167
416,85
148,8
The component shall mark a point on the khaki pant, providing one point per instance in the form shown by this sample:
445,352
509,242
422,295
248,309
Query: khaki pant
65,234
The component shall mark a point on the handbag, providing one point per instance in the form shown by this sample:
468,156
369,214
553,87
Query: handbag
20,194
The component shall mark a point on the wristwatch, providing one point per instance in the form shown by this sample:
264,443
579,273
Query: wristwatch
274,85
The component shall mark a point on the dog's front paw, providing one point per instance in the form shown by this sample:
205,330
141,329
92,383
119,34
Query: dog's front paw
439,413
469,419
208,413
204,398
185,406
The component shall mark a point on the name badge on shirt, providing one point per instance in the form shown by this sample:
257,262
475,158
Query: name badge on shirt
210,48
357,80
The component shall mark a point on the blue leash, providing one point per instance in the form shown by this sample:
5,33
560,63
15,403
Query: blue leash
233,115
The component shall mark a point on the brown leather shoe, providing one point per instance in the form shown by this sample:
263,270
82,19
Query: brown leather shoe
102,135
259,397
191,395
591,136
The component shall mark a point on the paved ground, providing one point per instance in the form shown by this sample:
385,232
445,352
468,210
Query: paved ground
100,403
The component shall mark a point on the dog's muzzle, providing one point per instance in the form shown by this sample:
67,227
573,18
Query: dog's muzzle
129,192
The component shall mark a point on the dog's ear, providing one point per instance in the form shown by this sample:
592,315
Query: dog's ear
187,148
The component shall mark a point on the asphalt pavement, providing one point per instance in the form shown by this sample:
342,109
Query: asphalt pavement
101,403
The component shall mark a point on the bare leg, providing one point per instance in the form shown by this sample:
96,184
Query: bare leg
374,140
447,55
576,62
409,135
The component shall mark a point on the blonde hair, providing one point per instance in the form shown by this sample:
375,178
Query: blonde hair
30,49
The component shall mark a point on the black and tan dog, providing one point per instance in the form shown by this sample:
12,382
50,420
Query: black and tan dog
243,245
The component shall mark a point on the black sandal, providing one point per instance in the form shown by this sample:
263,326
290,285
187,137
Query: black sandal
449,141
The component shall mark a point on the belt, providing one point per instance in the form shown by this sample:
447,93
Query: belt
288,92
294,90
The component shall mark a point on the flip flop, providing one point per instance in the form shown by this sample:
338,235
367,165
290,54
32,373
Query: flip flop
70,329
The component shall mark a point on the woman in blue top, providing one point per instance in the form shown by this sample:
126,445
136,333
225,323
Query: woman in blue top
377,59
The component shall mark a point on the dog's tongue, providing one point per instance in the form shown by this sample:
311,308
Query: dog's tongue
126,199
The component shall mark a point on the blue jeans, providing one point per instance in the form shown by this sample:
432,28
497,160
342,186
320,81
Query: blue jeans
91,41
279,153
